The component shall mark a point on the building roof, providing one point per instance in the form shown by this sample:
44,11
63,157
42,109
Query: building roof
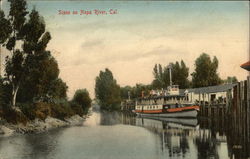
210,89
246,65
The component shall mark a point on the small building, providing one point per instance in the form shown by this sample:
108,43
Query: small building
209,94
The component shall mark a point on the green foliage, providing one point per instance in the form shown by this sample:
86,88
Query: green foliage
13,116
83,99
205,72
180,74
17,13
36,110
30,70
158,73
43,82
5,28
77,109
230,79
137,91
61,111
58,89
2,93
42,110
11,33
126,92
107,91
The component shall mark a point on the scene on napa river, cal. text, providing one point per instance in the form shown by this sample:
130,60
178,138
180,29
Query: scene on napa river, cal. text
124,79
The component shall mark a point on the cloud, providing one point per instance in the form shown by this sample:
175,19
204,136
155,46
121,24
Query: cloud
91,43
121,56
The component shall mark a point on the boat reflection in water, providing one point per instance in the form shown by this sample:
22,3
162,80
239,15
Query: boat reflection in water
187,138
174,133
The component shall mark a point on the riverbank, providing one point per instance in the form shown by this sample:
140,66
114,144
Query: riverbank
38,125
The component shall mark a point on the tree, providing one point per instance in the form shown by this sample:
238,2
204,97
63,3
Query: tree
107,91
2,94
41,68
205,73
179,75
126,92
158,81
42,81
230,79
30,68
83,99
12,33
5,28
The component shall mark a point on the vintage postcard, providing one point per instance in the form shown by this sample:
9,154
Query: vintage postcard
124,79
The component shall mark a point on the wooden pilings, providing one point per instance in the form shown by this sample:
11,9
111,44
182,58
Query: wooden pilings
235,110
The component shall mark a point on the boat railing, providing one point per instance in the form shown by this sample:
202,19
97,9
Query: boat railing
165,102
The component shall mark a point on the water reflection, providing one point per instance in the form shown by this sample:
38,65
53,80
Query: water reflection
119,135
30,146
210,138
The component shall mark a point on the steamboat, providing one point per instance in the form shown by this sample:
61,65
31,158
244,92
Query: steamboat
169,103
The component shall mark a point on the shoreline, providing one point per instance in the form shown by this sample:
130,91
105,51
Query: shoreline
39,126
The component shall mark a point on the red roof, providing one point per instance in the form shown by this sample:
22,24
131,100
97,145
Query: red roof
246,65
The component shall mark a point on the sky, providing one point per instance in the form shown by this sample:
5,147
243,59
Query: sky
141,34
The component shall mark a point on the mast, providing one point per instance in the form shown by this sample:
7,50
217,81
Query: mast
170,73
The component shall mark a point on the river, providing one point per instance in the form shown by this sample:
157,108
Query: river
121,136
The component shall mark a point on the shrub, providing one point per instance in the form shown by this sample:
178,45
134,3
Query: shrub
76,108
82,98
39,110
61,111
14,116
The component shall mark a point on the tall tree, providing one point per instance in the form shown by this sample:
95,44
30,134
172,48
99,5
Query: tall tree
180,74
5,28
205,73
9,37
107,91
31,67
158,77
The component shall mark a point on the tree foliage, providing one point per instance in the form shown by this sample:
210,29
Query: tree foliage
158,73
205,73
30,69
83,99
5,28
230,79
136,91
179,71
180,74
107,91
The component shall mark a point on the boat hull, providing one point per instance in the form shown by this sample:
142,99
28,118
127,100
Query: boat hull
182,114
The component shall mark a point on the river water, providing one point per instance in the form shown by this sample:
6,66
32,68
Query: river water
122,136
